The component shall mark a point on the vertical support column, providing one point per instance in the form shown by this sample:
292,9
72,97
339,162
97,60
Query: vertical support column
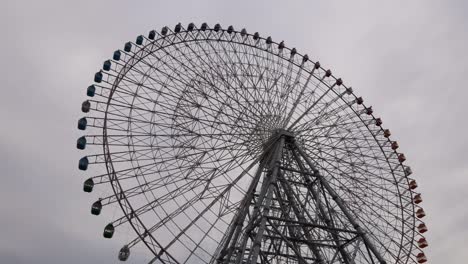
289,194
238,221
344,254
268,189
293,246
342,206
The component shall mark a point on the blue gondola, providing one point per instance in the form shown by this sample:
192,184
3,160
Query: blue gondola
190,27
83,163
109,231
82,122
152,34
164,31
204,26
81,143
96,208
128,47
139,40
117,55
217,27
107,65
88,185
91,91
98,77
177,28
230,29
85,106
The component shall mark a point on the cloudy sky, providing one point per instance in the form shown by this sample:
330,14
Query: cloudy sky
408,59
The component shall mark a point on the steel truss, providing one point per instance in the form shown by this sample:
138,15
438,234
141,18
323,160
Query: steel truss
274,224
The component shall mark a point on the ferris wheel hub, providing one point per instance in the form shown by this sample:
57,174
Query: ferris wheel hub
289,135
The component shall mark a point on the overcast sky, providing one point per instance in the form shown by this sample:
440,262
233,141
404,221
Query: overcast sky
408,59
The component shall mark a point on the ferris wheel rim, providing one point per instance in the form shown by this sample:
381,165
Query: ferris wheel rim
116,186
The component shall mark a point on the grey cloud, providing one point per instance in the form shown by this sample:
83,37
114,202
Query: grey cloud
408,59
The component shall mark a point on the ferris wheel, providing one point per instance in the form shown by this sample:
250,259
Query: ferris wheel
221,146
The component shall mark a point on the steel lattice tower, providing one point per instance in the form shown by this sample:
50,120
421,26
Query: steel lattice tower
279,217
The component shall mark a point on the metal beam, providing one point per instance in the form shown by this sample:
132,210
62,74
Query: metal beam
344,254
274,167
367,241
238,221
288,191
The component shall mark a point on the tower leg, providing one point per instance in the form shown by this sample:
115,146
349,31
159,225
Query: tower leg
269,212
230,241
268,190
367,241
231,245
344,255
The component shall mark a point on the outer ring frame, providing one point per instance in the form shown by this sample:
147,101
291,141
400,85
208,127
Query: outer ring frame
125,205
